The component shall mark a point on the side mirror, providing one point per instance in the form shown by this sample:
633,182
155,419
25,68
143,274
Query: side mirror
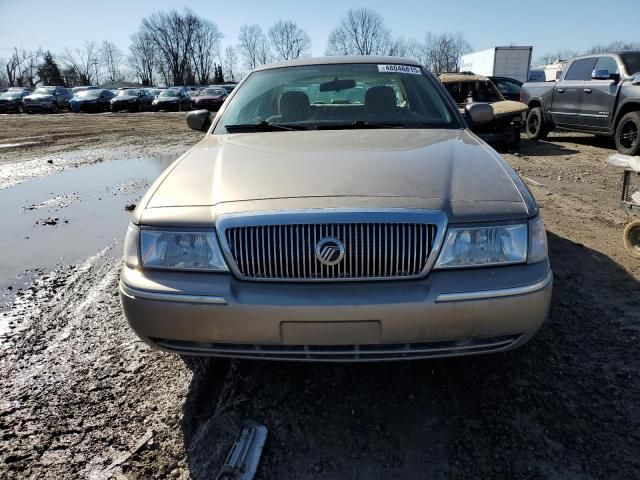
600,74
199,120
480,113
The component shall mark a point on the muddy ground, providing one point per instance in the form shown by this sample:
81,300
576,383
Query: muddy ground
83,398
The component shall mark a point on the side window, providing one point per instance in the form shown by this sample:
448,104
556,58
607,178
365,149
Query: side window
607,63
507,86
581,69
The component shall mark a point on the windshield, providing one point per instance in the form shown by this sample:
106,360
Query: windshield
128,93
631,62
339,95
213,92
44,90
474,91
170,93
88,93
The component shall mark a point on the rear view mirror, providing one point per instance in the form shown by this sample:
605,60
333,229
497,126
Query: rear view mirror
337,85
480,113
199,120
601,74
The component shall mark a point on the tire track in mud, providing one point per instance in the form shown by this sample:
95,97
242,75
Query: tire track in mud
79,388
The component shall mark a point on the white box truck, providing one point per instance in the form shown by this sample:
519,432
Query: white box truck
512,62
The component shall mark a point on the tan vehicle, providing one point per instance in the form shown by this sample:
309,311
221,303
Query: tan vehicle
467,88
338,209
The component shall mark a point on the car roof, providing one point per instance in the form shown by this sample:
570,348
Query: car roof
340,60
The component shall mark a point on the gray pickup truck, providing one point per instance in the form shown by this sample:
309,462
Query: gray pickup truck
597,94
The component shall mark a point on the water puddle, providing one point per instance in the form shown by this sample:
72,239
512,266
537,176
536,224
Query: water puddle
67,217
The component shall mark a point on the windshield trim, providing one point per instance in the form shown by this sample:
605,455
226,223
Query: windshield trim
457,118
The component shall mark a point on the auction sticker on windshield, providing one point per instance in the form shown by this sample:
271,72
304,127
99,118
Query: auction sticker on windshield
400,69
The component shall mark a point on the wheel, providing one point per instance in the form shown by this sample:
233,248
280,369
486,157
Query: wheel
631,238
179,107
628,134
535,126
20,108
54,108
140,107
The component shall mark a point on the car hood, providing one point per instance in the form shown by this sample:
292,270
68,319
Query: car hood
167,99
39,96
123,98
444,169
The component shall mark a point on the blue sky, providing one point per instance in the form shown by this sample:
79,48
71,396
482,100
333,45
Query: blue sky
545,24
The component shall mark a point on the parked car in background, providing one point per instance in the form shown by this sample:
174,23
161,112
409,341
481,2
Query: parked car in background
132,100
211,98
597,94
304,229
49,99
11,101
94,100
227,86
176,99
466,88
509,87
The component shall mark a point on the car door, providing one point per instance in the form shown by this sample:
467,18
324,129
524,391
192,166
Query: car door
598,105
568,94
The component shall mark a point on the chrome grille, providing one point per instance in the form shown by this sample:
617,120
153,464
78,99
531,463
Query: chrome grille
371,250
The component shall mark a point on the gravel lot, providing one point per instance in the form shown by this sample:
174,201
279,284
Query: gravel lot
83,398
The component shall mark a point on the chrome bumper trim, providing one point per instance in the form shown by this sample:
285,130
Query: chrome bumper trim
487,294
170,297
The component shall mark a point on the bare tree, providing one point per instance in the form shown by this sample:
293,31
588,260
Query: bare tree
360,32
230,63
442,52
143,57
288,40
14,70
111,57
252,44
206,46
173,33
84,62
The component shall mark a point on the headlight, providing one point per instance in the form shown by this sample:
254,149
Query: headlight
484,246
538,250
181,250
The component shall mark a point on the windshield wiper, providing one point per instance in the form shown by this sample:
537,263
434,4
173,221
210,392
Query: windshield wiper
262,126
359,124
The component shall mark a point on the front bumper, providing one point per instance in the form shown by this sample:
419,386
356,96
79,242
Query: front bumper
8,107
38,105
448,313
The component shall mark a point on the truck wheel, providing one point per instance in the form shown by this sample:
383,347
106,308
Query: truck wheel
628,134
536,126
631,238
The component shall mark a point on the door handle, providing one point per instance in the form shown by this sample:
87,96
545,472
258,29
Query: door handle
560,90
587,90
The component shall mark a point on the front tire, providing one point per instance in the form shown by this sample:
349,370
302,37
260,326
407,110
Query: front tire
20,108
54,108
628,134
631,238
535,126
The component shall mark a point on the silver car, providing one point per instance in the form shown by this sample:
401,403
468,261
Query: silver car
49,99
338,209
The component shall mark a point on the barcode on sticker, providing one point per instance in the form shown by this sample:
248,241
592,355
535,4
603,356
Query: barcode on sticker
400,69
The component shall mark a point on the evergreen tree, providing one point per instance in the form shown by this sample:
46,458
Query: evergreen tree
49,72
